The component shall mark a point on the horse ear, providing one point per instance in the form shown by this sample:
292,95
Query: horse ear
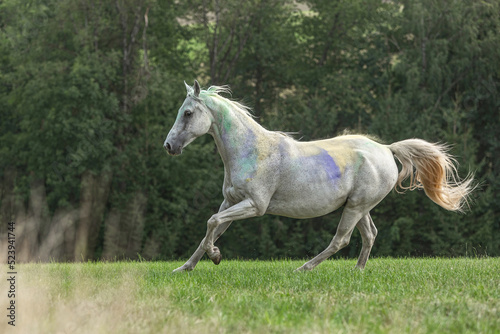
196,88
189,89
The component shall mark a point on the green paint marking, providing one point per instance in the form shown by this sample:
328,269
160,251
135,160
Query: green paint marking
246,145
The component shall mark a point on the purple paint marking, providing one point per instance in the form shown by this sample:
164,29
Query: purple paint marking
315,163
329,166
319,164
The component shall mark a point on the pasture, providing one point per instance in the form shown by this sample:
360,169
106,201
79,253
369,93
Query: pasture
432,295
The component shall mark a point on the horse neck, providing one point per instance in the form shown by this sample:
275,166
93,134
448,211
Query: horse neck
236,135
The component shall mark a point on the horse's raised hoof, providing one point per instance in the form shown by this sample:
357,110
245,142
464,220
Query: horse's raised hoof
216,256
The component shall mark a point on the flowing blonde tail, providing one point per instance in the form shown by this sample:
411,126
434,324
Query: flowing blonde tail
435,173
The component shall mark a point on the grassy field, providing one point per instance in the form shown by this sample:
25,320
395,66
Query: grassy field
390,296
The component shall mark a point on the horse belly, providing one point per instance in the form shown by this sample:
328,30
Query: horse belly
307,200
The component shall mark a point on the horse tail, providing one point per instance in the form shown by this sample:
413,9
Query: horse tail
435,172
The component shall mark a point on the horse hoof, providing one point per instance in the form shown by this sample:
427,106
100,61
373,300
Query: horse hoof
303,268
182,269
216,256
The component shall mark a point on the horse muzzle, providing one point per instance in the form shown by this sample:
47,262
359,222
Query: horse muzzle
172,149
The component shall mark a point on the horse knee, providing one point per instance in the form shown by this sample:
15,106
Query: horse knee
213,222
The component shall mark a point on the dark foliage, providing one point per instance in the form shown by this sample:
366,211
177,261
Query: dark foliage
89,90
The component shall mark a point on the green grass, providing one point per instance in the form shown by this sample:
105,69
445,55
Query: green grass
389,296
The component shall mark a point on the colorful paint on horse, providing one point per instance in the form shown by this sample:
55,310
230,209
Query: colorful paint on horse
345,151
244,143
248,157
319,160
328,165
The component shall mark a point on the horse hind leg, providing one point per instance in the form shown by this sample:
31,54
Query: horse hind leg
368,233
350,217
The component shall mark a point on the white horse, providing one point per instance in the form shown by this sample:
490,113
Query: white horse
267,172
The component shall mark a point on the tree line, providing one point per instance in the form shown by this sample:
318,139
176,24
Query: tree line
89,90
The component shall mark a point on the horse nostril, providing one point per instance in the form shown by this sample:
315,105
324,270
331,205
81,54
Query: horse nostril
168,147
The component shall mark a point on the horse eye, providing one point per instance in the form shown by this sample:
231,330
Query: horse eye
188,113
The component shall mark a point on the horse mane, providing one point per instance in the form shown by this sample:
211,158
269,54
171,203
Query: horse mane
213,92
211,97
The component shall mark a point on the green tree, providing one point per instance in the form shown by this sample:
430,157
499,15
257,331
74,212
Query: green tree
440,55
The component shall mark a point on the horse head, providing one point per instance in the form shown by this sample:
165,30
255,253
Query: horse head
193,120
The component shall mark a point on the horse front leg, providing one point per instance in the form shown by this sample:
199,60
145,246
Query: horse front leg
199,252
242,210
